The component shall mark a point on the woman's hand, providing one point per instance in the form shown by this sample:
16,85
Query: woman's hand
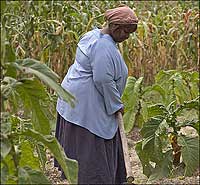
121,110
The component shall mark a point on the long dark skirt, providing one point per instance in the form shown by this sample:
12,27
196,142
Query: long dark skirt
100,160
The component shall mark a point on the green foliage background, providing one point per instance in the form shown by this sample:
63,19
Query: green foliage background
39,40
49,31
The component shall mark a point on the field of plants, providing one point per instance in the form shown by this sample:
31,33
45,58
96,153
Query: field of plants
161,98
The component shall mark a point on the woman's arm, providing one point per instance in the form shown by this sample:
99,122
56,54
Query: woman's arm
103,69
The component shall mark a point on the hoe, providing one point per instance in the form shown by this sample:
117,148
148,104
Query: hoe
129,177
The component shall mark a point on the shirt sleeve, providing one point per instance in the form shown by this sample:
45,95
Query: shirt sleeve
103,69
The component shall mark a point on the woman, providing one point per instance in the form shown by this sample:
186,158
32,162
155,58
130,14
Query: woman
89,132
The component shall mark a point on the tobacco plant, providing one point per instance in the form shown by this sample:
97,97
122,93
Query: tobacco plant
169,86
162,111
163,146
27,114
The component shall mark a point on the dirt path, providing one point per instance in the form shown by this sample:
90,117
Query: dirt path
136,165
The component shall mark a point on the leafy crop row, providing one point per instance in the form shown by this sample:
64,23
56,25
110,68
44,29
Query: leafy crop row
162,111
27,110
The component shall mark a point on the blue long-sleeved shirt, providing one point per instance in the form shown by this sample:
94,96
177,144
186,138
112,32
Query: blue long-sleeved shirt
97,80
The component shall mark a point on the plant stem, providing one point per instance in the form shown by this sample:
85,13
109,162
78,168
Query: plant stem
176,150
15,158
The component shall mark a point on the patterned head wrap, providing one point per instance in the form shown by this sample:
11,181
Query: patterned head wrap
121,15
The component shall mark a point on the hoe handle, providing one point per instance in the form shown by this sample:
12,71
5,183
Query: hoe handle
130,178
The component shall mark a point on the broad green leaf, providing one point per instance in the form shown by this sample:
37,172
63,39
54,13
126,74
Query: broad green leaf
178,83
8,160
23,176
144,111
151,96
144,158
129,89
41,151
7,86
10,54
31,66
151,142
34,88
163,77
39,118
5,147
153,146
156,110
69,166
139,121
27,175
5,127
27,152
9,58
180,88
148,142
129,119
167,80
163,168
131,99
189,151
193,104
195,76
194,87
160,90
171,106
4,173
197,126
192,80
32,93
151,126
129,116
131,92
19,123
11,71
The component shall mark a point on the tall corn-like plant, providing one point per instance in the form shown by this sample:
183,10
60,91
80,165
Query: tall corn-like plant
163,40
49,31
25,119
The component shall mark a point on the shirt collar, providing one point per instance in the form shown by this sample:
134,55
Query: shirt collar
106,36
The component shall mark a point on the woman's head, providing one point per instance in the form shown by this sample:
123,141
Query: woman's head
121,22
120,32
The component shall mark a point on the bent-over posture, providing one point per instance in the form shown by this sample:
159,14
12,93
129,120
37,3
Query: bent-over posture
89,132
